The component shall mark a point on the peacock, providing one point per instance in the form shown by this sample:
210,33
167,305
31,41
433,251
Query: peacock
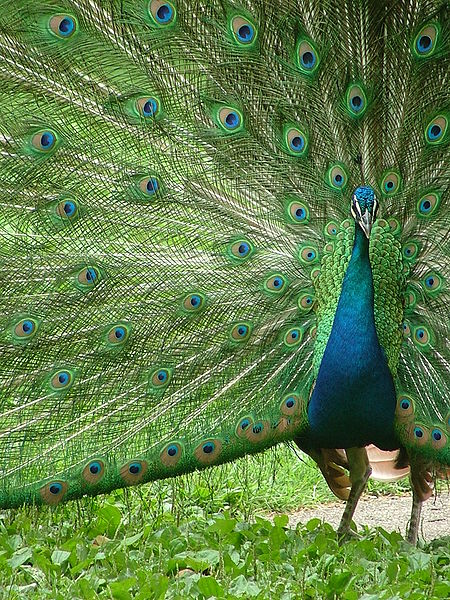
223,227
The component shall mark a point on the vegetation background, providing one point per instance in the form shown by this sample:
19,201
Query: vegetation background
209,535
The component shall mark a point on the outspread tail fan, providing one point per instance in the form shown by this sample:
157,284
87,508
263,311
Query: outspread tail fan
185,261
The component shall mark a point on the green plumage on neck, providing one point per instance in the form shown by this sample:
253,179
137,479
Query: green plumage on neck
176,181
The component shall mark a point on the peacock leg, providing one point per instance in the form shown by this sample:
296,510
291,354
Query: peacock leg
422,487
360,471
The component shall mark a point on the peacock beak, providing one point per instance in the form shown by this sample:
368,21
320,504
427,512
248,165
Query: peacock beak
365,221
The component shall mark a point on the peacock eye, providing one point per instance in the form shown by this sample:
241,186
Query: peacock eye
149,186
308,255
244,32
241,249
425,41
63,26
193,302
240,332
436,130
331,229
229,119
290,404
307,57
427,204
293,336
162,13
298,212
118,334
160,378
61,380
88,276
44,141
26,328
53,492
337,177
67,209
171,454
275,283
172,450
410,250
148,107
433,282
390,184
421,336
296,141
305,302
356,100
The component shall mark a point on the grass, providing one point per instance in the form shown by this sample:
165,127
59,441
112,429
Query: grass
206,536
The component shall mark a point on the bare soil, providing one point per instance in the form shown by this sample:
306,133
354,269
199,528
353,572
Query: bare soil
389,512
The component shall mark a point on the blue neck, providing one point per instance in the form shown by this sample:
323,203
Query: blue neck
353,401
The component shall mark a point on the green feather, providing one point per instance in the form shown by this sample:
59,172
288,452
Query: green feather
176,180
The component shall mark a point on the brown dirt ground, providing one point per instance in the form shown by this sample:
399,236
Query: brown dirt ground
390,512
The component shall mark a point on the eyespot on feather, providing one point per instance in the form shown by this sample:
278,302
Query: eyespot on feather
306,301
240,250
63,26
293,337
410,250
61,380
291,405
390,183
148,107
160,378
307,57
406,329
44,141
230,119
356,101
295,141
67,209
149,186
52,493
171,454
425,41
193,303
242,426
94,471
25,329
240,332
436,130
208,451
134,471
422,337
275,284
331,229
308,255
244,31
118,334
337,177
88,277
405,408
427,204
438,438
432,283
258,431
162,13
297,212
419,434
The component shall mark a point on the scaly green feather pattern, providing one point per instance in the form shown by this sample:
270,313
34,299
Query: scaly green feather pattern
163,165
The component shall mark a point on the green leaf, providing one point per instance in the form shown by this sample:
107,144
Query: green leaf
59,556
208,586
20,557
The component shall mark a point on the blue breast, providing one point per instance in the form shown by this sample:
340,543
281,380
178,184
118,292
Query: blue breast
353,401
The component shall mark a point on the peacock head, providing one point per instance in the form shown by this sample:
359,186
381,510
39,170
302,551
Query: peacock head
364,208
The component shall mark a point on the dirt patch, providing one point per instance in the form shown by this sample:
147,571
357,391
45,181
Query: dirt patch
390,512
